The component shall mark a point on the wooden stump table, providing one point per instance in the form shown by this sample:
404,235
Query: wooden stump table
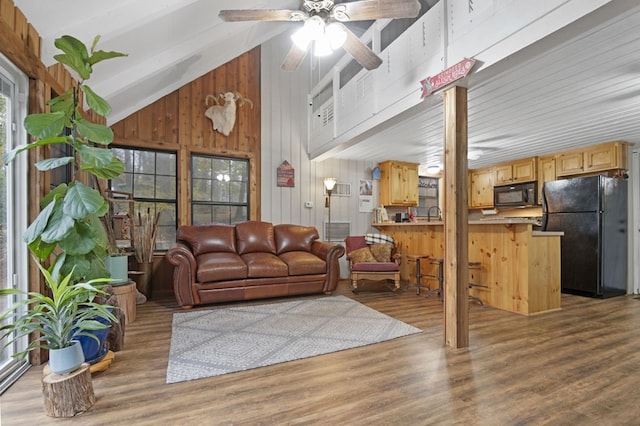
126,295
68,395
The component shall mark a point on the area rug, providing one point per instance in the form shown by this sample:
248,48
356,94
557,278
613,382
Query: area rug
220,341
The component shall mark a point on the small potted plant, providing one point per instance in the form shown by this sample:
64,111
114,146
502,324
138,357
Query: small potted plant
59,320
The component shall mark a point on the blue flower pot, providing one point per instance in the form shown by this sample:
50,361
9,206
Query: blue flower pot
94,351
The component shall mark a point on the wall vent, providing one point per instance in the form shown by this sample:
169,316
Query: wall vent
327,114
337,231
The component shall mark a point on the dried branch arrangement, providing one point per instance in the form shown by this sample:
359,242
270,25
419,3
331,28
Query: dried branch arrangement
145,232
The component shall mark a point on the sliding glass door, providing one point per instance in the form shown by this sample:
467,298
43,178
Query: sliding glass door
13,207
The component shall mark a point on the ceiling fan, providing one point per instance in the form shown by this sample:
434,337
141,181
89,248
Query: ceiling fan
323,26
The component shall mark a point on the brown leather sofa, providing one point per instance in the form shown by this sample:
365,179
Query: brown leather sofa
251,260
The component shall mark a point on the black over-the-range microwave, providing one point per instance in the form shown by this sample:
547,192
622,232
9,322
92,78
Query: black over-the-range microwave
516,195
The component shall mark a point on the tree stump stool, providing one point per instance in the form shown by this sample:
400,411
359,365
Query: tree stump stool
66,396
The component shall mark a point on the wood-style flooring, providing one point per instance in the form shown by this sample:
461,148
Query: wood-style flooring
576,366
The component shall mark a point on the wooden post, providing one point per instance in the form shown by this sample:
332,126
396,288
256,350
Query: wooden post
66,396
456,219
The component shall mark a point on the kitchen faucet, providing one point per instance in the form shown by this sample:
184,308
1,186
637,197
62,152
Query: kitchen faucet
438,211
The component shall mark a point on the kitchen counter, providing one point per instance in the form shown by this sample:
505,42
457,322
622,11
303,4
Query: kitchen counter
492,221
519,266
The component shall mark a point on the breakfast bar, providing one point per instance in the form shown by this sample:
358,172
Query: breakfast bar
519,267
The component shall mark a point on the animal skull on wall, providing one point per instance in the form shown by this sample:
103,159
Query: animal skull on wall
223,116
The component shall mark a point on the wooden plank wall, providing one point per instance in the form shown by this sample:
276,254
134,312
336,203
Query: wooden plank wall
177,123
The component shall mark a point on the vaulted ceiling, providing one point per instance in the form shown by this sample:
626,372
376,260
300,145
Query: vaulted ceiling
579,86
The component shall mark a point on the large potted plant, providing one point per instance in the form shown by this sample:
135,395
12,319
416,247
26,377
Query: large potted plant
68,232
59,320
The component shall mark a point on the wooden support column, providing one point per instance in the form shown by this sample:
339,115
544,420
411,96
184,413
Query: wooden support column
456,219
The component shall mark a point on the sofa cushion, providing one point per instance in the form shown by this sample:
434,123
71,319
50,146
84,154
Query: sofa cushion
294,238
252,237
362,255
208,238
382,252
264,265
220,266
303,263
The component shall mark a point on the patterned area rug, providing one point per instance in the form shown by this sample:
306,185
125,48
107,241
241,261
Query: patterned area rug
214,342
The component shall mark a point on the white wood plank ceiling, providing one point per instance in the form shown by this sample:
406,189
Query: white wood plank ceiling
580,86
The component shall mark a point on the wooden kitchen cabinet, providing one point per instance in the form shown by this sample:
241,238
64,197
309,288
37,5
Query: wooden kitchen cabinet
597,158
524,170
546,173
570,163
605,157
398,183
481,188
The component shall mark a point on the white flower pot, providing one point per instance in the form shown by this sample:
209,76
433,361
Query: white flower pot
66,360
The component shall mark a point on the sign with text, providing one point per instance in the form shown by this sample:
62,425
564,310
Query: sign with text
446,77
286,175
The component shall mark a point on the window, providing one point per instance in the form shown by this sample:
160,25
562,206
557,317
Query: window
220,190
150,176
13,208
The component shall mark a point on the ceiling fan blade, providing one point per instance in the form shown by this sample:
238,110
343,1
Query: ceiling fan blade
376,9
260,15
294,58
360,51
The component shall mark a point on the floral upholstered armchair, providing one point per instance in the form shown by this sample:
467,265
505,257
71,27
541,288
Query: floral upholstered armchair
372,257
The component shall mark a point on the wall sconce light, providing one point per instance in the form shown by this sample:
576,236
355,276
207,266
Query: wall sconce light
329,184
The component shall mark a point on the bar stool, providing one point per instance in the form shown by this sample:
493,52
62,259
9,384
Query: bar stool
440,278
417,258
476,266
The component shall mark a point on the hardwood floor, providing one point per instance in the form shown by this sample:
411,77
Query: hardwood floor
579,365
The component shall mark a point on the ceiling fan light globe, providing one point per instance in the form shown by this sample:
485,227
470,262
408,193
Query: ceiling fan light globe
336,35
301,38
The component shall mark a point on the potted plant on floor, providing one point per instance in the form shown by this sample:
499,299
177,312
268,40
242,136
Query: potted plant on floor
59,320
68,231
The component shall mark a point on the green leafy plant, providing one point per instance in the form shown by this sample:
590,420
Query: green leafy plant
69,220
71,311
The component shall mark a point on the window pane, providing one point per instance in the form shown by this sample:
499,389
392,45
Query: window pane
201,167
144,186
201,215
145,162
123,183
166,164
239,170
167,214
165,188
201,190
220,191
238,192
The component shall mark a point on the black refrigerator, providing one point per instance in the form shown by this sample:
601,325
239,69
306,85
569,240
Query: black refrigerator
592,213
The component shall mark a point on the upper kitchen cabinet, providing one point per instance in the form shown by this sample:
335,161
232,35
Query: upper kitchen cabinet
524,170
597,158
546,172
398,183
481,188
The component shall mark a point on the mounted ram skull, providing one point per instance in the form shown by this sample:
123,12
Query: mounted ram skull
223,115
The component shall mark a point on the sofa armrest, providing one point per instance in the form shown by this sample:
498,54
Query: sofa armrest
330,253
184,274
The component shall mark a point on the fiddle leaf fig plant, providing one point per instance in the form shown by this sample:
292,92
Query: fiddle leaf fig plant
69,220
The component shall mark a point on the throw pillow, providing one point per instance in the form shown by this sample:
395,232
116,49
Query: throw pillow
362,255
382,252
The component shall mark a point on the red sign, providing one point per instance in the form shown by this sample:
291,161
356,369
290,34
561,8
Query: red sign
286,175
448,76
